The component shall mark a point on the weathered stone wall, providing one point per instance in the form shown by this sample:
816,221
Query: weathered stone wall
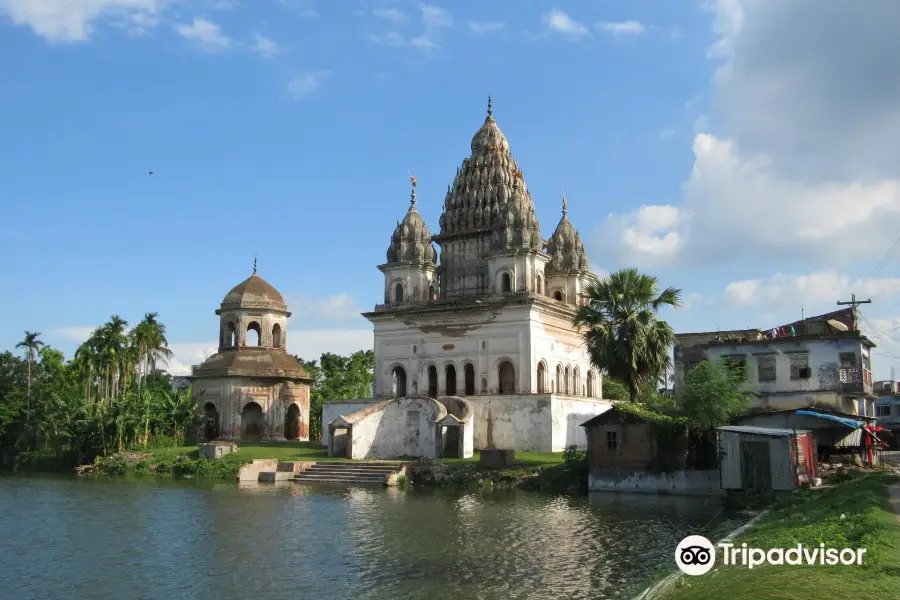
332,409
521,423
403,428
688,483
568,414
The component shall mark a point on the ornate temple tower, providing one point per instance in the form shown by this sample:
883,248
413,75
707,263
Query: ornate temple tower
252,388
493,316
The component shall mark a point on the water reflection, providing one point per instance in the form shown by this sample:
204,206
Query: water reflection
108,538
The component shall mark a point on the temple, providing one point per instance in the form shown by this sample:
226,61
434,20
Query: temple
481,331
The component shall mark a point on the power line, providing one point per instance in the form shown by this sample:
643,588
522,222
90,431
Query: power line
854,304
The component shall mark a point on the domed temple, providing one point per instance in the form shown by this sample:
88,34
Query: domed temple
489,317
252,389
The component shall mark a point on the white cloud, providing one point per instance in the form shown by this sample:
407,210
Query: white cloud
820,289
485,27
435,16
73,20
391,14
801,157
648,236
622,28
562,23
207,35
78,334
306,343
331,309
303,85
266,47
394,39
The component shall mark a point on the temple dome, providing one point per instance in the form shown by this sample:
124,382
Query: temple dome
411,241
254,292
565,248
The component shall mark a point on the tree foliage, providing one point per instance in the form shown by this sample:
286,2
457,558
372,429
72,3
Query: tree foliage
714,393
337,377
622,331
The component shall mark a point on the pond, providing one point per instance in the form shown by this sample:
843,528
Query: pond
67,537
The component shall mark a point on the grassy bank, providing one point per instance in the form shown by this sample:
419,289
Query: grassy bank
855,513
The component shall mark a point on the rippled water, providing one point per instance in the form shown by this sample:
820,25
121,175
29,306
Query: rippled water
135,539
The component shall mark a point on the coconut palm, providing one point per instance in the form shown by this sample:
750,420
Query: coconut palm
31,344
623,334
151,345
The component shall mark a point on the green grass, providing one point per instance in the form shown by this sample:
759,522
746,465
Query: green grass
311,451
523,459
811,517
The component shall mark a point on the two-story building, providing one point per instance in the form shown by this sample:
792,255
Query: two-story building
887,409
819,361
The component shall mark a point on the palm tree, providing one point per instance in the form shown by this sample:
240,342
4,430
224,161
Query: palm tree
624,336
31,344
149,340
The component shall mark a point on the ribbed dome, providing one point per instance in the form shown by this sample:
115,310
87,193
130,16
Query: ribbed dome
254,292
486,182
411,242
565,248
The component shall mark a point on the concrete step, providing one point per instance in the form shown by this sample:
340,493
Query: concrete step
308,478
323,468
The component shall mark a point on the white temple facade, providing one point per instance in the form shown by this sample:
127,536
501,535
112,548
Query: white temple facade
489,319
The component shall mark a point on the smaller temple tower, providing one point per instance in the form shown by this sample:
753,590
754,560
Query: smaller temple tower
568,271
410,273
252,388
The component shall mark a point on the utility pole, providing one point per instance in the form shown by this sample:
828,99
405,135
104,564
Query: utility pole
854,304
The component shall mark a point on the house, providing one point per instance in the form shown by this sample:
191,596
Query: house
633,449
888,387
765,459
829,433
823,360
887,411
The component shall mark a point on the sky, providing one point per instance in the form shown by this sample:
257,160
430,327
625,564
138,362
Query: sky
746,152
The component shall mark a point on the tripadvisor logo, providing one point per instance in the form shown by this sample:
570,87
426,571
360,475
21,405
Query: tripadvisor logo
696,555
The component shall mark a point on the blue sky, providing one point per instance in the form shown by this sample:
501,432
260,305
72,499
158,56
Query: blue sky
701,141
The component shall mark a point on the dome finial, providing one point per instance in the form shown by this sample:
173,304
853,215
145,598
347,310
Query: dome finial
565,204
490,107
412,198
254,264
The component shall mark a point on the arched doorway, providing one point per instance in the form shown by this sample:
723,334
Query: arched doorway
276,335
505,283
292,423
566,384
470,379
507,375
557,296
398,382
254,334
398,292
540,284
432,295
450,381
576,388
559,387
541,378
590,384
211,426
230,337
252,423
432,382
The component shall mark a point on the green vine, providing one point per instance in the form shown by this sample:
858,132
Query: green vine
650,415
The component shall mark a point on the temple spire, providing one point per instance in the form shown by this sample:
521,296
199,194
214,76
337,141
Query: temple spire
490,107
412,198
565,204
254,264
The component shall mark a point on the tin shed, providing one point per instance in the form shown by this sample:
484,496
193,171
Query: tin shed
761,459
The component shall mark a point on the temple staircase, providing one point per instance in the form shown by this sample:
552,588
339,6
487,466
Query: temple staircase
348,473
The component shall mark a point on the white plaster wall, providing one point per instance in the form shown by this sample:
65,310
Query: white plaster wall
688,483
333,409
415,281
512,422
567,415
389,433
545,347
468,441
823,359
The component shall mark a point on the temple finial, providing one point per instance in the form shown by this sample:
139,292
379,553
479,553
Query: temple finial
490,107
412,198
254,264
565,204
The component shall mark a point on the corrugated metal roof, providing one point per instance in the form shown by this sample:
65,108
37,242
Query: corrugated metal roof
760,430
851,440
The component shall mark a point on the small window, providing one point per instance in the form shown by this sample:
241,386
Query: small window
848,360
800,367
883,410
737,366
765,368
612,440
398,292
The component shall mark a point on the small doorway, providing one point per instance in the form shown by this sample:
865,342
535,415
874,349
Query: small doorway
432,382
292,423
398,382
252,424
507,374
450,382
211,425
470,379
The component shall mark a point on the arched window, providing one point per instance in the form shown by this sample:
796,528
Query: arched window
541,378
432,382
505,283
398,292
557,295
431,293
450,380
576,389
590,384
469,372
559,387
276,335
254,334
566,381
507,376
398,382
230,337
540,284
